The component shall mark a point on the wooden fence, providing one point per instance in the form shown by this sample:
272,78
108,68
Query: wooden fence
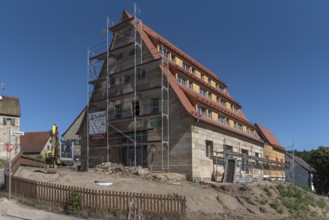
103,201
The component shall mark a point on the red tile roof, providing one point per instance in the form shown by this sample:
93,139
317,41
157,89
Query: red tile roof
34,142
268,136
149,33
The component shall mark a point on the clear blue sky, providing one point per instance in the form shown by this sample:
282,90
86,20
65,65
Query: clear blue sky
273,55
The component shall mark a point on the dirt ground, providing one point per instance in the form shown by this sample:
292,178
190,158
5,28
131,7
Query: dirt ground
216,201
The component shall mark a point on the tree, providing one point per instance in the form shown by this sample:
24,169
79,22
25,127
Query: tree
319,160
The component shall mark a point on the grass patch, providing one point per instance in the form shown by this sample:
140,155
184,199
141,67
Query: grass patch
3,163
297,200
276,204
263,201
244,188
267,191
321,203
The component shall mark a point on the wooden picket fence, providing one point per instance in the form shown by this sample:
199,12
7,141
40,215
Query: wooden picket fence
103,201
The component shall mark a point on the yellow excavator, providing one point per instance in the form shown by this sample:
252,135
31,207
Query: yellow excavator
52,157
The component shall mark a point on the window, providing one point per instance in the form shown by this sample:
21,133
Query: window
155,105
112,81
256,154
237,126
202,77
165,53
131,52
173,58
202,111
203,92
209,114
223,102
233,108
209,95
250,131
193,70
209,81
227,122
209,149
135,108
218,99
186,67
191,85
221,119
126,79
245,152
181,80
119,57
118,111
217,86
141,74
228,148
9,121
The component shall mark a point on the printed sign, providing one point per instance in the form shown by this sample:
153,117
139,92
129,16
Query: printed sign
9,147
97,124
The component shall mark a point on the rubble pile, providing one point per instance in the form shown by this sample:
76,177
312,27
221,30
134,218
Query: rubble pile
138,171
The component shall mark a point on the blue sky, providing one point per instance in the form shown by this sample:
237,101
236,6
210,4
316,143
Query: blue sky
273,55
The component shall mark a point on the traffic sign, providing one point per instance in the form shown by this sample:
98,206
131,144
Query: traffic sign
16,133
9,147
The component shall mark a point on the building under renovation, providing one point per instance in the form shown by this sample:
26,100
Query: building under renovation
151,104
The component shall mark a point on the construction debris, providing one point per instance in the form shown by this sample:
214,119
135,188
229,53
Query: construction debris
119,169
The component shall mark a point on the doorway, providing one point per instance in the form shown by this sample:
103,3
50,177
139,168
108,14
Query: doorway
230,171
128,155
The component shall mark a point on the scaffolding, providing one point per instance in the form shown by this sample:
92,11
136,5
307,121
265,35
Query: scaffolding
126,127
242,167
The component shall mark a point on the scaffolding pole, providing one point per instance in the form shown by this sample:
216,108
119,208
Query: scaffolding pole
137,45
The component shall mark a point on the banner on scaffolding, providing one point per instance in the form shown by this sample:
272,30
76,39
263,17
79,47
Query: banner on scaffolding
97,125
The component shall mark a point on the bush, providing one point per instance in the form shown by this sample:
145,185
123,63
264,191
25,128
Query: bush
267,191
3,163
321,203
277,206
263,201
73,205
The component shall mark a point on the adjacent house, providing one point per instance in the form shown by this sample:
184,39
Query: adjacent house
70,138
299,172
10,114
274,153
153,105
36,143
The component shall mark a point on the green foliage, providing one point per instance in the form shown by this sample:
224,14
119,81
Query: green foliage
73,205
297,200
267,191
3,163
244,188
319,160
263,201
321,203
276,204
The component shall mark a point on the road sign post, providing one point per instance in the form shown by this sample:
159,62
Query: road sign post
9,148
